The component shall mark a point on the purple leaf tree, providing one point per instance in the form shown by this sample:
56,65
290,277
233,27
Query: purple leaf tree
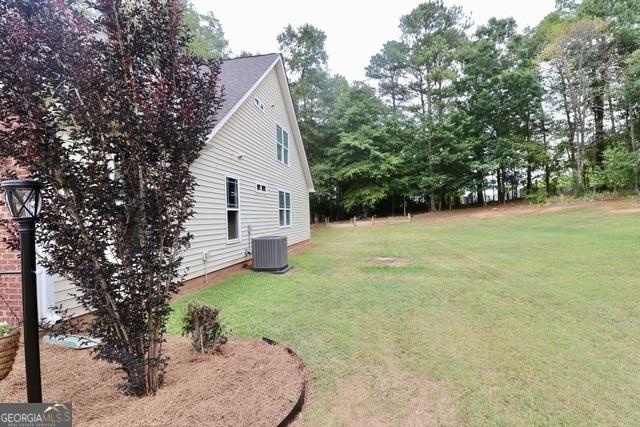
102,102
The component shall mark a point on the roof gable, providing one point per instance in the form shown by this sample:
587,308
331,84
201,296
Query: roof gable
240,77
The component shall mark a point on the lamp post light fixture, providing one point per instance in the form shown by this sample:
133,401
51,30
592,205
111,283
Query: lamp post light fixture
24,203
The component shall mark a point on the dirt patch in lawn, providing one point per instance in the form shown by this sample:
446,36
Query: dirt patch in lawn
493,211
625,211
388,262
392,399
515,209
622,206
249,383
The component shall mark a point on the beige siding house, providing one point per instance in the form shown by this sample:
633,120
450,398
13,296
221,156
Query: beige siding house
253,178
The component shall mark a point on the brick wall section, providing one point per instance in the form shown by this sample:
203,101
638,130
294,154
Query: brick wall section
9,284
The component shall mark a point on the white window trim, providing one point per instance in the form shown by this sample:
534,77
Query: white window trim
288,163
266,188
285,208
227,209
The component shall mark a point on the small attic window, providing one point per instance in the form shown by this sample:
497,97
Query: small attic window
258,104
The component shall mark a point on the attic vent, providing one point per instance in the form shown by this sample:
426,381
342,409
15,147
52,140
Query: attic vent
270,254
258,104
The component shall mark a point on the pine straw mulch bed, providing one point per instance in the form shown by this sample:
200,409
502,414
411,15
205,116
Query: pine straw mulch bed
250,383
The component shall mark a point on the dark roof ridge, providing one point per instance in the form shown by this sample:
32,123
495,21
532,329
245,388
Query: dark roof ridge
250,56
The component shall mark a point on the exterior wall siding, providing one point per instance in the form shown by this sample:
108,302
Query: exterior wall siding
64,292
244,148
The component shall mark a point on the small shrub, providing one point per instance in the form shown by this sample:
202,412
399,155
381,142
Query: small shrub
202,323
536,198
620,168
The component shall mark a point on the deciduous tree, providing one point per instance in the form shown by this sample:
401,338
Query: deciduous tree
108,110
208,40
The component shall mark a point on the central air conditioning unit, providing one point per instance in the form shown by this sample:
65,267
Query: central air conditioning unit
270,254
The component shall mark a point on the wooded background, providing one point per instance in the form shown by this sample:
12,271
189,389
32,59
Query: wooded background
454,115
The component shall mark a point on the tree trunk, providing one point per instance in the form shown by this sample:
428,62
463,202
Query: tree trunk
504,186
393,206
612,117
547,183
632,137
429,101
598,122
570,124
499,185
153,357
421,90
632,129
580,162
546,147
393,96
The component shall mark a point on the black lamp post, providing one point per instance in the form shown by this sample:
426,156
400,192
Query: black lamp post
23,200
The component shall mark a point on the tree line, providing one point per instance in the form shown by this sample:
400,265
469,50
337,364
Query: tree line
460,116
455,114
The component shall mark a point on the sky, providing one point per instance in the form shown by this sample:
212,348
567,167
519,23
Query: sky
355,29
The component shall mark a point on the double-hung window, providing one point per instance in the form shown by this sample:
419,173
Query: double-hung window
282,139
284,210
233,209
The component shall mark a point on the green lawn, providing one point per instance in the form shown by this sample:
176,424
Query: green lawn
522,318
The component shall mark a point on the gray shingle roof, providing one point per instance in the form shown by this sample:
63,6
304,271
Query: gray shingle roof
238,75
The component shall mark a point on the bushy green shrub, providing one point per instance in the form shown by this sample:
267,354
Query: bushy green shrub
568,182
619,167
536,197
202,323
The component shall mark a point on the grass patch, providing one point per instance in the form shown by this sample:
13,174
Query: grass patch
528,319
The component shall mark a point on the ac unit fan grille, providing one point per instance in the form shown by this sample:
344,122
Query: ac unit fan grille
270,253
